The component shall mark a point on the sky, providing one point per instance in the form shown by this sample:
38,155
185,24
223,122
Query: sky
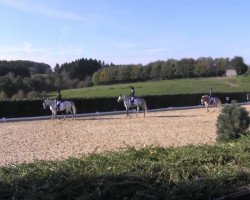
123,31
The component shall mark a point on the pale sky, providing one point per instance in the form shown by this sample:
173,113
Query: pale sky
123,31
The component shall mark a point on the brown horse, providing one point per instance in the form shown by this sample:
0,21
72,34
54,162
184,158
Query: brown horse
215,102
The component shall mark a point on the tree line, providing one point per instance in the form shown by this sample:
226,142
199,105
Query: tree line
27,79
169,69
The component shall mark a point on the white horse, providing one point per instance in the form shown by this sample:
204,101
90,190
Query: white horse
68,106
138,103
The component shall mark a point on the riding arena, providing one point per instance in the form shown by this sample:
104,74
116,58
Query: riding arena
60,139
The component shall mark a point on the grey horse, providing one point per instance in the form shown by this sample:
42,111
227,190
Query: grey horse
68,106
138,103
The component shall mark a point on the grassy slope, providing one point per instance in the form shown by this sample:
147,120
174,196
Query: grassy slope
195,85
201,172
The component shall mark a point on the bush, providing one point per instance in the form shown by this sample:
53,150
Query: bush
232,122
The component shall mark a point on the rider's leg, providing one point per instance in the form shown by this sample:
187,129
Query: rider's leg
210,100
132,102
58,105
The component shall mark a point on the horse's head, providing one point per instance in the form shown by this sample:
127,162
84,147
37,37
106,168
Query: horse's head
202,101
119,98
204,98
46,103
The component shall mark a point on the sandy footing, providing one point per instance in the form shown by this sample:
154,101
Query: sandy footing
60,139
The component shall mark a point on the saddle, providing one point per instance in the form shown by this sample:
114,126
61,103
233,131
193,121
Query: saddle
133,101
60,105
211,101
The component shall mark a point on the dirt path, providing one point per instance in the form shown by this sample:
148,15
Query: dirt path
60,139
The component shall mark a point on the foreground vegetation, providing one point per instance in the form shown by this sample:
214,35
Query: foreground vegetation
177,86
190,172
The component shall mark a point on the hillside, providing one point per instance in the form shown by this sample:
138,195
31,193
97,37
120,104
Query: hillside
176,86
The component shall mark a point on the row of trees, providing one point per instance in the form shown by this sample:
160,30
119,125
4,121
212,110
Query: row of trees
21,79
170,69
23,68
26,79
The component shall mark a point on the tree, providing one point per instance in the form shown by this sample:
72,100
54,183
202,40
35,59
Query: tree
239,65
185,68
136,72
7,86
95,78
203,67
19,95
81,68
124,74
3,96
222,64
232,122
155,69
57,68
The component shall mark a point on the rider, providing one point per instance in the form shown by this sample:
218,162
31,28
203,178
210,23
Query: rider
132,96
210,95
58,99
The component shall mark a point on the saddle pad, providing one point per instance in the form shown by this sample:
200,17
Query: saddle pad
62,105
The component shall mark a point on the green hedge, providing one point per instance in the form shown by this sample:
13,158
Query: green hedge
30,108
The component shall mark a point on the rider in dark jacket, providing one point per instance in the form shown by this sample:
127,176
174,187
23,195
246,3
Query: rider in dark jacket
58,99
210,94
132,96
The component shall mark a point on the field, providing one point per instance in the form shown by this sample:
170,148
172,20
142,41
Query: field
178,86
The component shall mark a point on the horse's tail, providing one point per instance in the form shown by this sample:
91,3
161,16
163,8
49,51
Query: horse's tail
73,106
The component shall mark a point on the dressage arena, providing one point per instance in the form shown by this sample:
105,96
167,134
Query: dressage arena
60,139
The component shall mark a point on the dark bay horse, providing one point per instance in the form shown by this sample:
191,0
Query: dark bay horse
215,102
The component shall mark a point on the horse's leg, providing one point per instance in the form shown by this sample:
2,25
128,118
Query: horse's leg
216,106
137,110
53,114
66,112
127,112
72,113
206,107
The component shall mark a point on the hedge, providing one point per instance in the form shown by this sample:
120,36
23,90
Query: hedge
28,108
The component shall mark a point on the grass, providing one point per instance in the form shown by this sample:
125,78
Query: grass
178,86
190,172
